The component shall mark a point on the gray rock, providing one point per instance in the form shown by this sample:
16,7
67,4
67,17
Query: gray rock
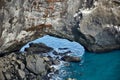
8,76
98,30
56,62
1,75
22,66
36,64
21,74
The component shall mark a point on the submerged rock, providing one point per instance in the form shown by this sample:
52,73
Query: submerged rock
71,59
70,79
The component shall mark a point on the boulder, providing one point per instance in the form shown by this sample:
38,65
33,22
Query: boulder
1,75
56,62
21,74
36,64
8,76
70,79
71,59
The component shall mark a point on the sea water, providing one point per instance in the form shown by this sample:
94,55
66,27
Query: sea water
102,66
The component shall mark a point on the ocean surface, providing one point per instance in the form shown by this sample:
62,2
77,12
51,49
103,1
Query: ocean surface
102,66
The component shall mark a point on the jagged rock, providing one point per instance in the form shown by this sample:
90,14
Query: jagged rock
71,59
1,75
35,64
56,62
98,29
70,79
8,76
38,48
46,59
21,74
22,66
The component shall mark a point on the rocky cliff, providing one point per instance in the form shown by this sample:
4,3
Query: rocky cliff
93,23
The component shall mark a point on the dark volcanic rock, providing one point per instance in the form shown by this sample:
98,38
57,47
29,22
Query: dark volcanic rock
38,48
71,59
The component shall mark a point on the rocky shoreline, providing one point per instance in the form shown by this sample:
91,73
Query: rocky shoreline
38,62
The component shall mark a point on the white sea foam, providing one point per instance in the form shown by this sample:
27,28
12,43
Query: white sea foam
56,43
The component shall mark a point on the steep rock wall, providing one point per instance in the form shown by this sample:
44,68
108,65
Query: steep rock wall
97,26
25,20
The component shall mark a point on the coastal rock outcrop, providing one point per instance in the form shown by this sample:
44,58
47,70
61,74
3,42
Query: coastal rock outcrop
25,65
13,66
100,27
93,23
32,65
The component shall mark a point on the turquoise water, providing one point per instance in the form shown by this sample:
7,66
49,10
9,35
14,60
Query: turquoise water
105,66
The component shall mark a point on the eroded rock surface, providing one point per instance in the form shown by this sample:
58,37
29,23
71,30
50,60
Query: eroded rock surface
100,27
97,27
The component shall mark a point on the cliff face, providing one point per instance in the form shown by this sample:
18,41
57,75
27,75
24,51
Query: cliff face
25,20
100,26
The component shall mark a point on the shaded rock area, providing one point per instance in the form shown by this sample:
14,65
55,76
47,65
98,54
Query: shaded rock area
35,63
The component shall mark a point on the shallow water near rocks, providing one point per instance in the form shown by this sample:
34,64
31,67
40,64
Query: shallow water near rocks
103,66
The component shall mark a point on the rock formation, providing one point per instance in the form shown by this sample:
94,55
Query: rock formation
25,20
33,64
100,27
